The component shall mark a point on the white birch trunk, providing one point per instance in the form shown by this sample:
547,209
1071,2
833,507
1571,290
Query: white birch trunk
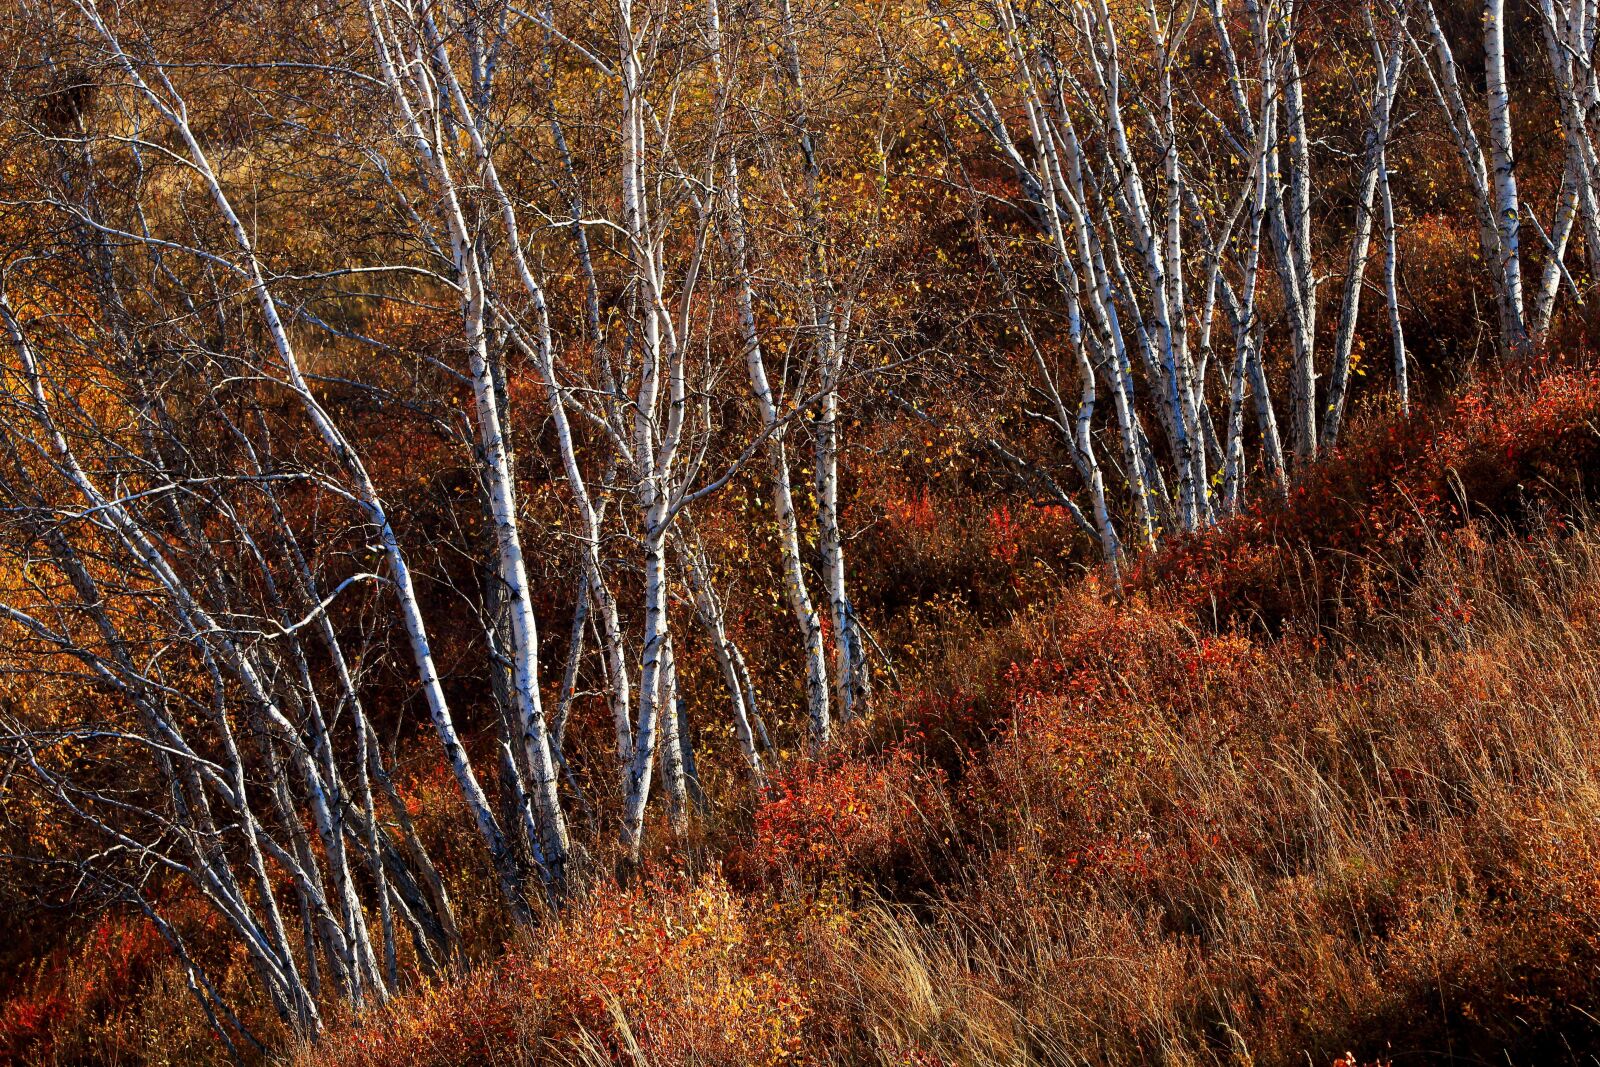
741,692
1485,197
1389,70
794,580
1508,209
1391,293
364,491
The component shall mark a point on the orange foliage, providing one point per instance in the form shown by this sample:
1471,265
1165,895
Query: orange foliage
684,973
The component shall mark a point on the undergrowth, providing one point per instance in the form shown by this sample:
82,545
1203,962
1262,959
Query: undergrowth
1319,786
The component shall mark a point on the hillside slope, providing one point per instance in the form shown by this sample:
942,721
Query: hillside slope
1287,801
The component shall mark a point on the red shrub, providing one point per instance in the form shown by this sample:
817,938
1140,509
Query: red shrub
106,969
865,815
1353,524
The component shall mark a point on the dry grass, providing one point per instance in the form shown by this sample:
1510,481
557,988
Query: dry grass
1387,844
1179,848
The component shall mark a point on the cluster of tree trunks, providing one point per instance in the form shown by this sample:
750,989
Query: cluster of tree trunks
626,216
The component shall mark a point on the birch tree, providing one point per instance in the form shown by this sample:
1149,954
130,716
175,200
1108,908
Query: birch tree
1154,217
1492,180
